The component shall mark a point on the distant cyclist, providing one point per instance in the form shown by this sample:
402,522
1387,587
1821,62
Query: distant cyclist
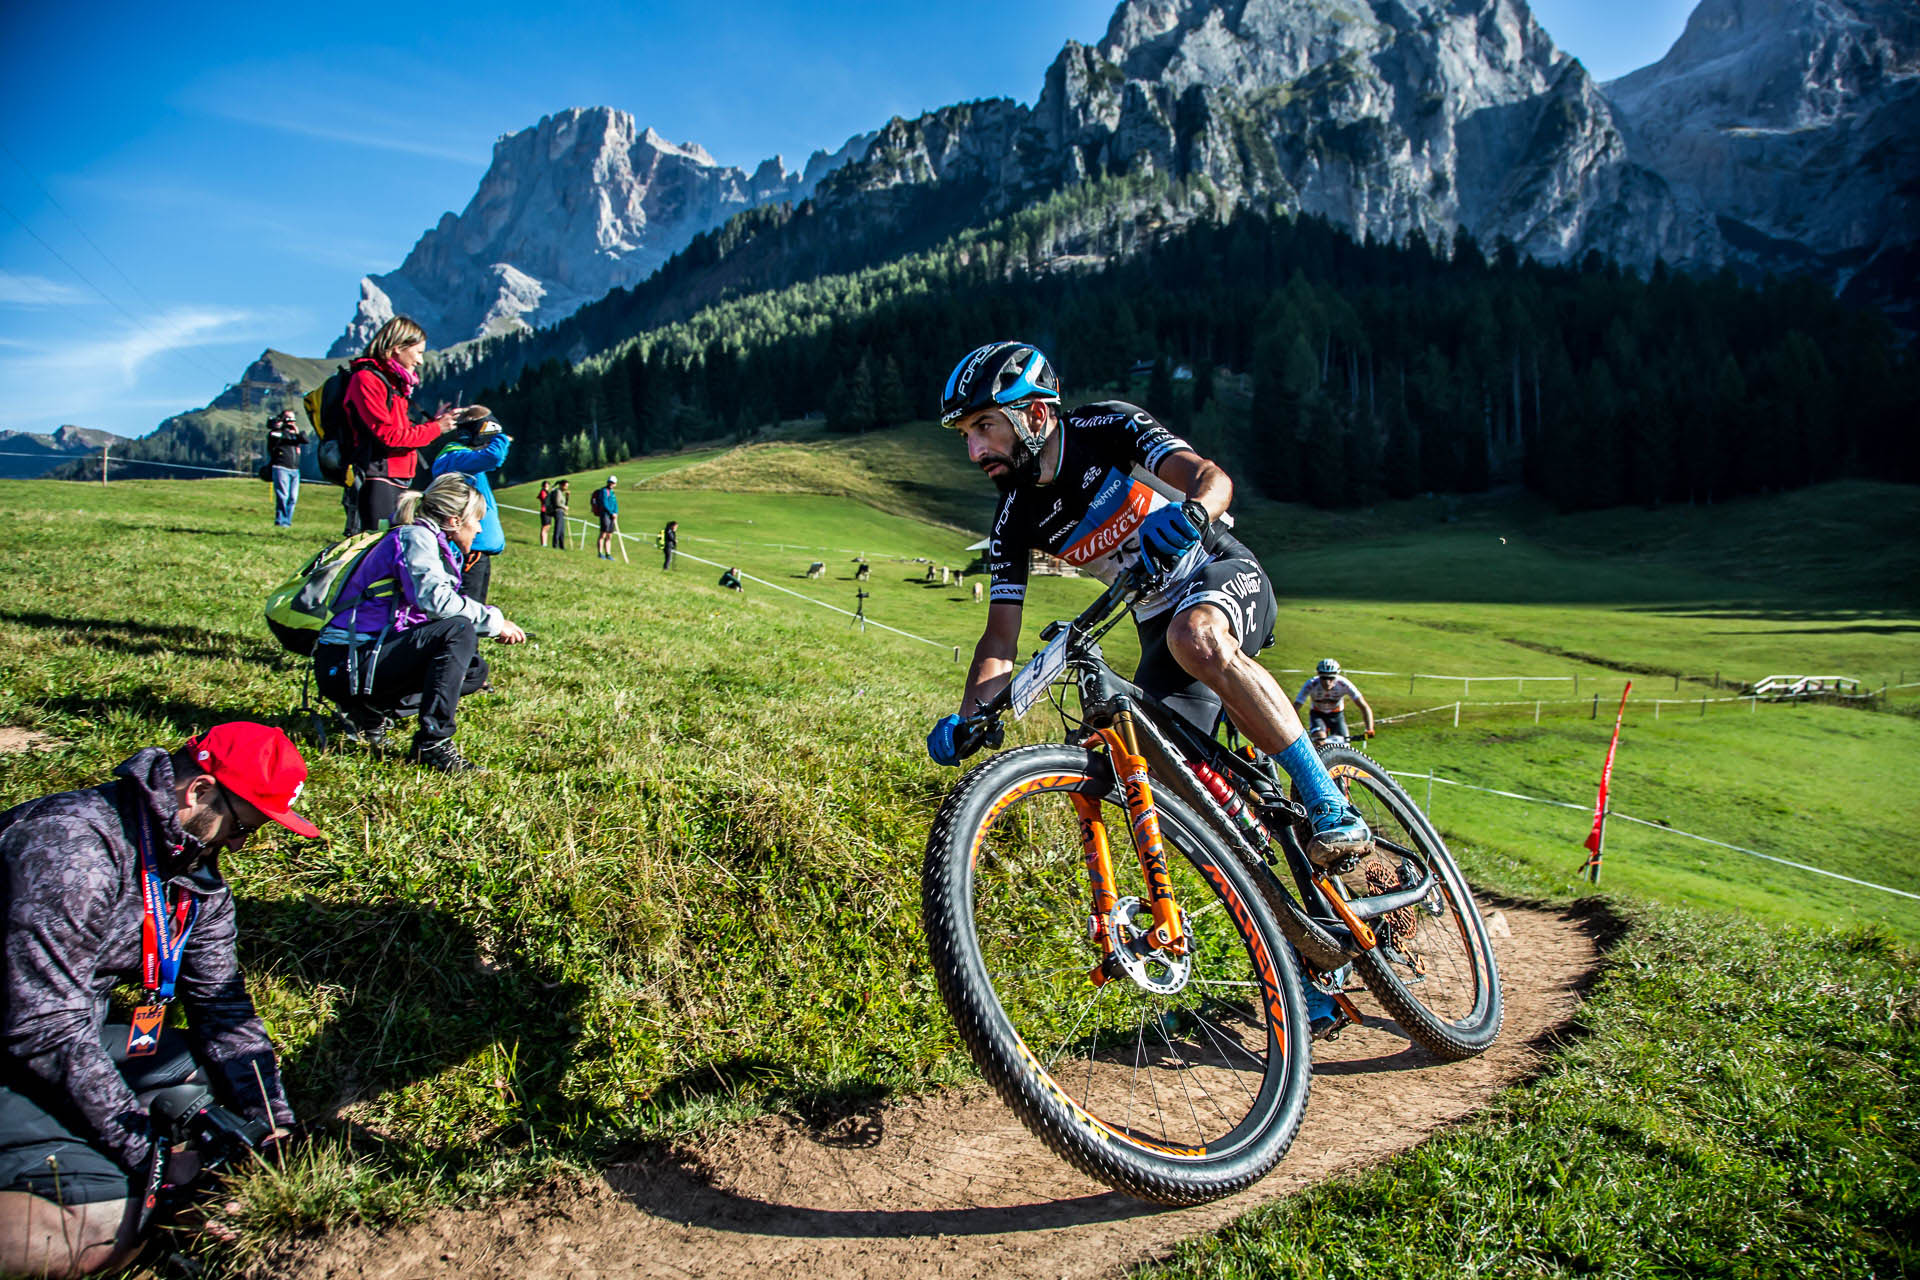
1101,487
1328,691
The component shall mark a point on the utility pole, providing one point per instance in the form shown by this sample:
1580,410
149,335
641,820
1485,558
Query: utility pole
104,450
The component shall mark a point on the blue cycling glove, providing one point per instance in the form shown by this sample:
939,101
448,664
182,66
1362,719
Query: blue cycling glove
1171,532
940,743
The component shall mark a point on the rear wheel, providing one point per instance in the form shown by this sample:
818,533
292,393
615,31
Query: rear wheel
1433,968
1179,1078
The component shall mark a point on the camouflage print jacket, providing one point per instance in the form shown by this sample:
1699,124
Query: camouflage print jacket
73,905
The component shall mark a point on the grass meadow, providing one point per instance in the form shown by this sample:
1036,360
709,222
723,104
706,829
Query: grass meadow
688,891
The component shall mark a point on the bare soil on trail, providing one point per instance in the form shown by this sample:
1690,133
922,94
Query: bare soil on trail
953,1184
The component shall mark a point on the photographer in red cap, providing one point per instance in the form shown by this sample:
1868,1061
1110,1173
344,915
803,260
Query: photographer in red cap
117,884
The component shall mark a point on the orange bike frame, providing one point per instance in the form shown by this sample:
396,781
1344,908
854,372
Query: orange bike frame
1131,769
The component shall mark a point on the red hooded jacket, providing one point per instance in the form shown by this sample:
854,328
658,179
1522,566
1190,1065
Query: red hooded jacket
388,435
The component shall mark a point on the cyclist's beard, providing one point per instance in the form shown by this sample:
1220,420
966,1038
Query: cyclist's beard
1021,467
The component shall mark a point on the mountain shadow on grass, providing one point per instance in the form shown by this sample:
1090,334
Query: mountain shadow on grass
409,992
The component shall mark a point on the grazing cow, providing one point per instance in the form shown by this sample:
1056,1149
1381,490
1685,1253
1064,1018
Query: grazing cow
817,569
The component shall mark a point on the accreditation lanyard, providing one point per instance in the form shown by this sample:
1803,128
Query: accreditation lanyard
164,930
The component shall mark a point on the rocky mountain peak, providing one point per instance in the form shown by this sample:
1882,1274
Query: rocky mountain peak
583,202
1385,116
1797,122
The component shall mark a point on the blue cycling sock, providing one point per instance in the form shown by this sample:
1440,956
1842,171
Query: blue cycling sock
1319,1003
1311,781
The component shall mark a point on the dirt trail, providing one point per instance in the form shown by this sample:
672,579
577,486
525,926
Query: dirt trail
954,1185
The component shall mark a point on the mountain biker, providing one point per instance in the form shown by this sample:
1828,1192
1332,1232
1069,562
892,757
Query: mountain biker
1328,691
1104,486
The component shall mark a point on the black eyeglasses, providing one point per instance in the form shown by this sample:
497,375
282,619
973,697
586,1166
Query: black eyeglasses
240,829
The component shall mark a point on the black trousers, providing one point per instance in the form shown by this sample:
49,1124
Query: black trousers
350,499
378,499
478,575
439,662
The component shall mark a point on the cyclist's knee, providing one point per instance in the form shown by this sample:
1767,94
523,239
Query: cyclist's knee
1201,640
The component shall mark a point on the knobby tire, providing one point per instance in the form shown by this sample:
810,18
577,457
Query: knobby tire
1434,969
1173,1096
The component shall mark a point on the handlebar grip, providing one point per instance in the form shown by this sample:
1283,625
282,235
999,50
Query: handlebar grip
978,731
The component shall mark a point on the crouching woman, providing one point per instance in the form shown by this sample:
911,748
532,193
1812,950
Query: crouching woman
411,636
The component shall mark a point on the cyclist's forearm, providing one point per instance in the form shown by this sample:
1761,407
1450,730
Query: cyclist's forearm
987,676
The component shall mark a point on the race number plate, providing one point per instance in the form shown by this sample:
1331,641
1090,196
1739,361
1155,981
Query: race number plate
1033,679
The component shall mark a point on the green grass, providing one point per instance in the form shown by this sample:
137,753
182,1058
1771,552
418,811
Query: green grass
690,893
1740,1103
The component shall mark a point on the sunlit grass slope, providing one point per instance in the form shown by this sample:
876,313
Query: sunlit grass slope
690,887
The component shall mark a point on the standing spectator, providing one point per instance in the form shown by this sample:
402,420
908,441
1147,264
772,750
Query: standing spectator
479,445
557,503
284,442
95,883
546,513
421,641
669,543
385,436
607,507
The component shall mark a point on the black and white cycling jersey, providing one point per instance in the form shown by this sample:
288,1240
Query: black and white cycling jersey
1090,514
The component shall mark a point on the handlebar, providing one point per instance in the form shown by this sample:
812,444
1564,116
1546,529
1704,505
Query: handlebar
983,727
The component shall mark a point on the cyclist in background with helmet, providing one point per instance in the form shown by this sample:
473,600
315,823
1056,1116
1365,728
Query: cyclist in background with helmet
1101,487
1328,691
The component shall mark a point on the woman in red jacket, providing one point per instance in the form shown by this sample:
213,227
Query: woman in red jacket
385,434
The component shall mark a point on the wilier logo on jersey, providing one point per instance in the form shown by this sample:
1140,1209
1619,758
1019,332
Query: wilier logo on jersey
1114,515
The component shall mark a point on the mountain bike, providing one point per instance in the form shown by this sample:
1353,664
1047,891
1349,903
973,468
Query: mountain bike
1146,1021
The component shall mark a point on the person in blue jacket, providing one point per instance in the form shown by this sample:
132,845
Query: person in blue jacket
479,445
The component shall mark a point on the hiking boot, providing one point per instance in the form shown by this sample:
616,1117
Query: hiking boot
442,756
365,726
1339,834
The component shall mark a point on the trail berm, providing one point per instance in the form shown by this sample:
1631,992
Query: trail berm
953,1185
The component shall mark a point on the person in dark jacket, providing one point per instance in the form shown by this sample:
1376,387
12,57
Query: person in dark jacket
546,513
479,445
97,883
418,642
285,440
669,543
557,501
385,435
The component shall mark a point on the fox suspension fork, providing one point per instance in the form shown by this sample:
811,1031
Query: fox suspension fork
1168,934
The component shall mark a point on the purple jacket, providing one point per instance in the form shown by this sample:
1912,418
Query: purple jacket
427,567
73,915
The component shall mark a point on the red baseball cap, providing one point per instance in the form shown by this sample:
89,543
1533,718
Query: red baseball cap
259,764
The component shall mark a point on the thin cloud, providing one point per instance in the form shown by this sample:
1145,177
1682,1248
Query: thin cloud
113,374
405,146
20,290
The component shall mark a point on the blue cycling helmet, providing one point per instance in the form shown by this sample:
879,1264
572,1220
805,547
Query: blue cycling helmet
998,374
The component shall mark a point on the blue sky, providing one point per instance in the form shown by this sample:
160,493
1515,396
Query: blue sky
183,186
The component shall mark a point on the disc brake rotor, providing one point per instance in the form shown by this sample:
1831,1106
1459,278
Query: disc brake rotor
1158,972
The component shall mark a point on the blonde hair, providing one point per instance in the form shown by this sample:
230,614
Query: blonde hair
448,500
401,331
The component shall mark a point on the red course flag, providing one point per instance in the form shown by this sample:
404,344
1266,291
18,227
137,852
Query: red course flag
1597,838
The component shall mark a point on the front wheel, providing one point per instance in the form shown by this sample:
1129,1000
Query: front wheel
1174,1078
1433,968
